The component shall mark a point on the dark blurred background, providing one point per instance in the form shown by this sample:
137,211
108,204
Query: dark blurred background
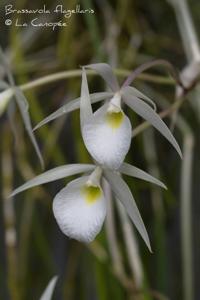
125,34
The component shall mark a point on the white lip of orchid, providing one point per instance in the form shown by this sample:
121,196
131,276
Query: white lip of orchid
115,104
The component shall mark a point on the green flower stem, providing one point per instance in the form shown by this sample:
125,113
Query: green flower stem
77,73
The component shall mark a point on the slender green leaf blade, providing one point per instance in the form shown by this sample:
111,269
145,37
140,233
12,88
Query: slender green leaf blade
48,292
71,106
146,112
54,174
107,74
133,171
123,193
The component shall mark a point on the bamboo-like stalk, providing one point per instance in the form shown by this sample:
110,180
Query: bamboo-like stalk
186,200
77,73
158,209
191,72
132,250
9,216
111,234
186,224
187,29
4,292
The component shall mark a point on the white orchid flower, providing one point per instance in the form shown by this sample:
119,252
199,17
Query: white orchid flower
86,194
80,207
107,132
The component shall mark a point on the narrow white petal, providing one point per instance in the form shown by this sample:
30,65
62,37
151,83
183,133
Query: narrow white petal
79,215
138,173
146,112
71,106
54,174
123,193
107,74
85,102
107,138
137,93
47,295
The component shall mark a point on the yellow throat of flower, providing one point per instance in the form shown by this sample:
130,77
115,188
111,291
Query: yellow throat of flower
91,193
114,119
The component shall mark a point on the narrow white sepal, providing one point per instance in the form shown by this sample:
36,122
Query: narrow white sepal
76,217
146,112
106,73
133,171
135,92
48,292
123,193
54,174
107,145
85,102
71,106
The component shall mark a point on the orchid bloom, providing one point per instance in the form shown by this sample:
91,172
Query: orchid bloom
107,132
80,207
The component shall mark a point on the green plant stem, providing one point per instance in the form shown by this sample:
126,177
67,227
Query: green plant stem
77,73
158,210
186,200
186,224
9,215
187,30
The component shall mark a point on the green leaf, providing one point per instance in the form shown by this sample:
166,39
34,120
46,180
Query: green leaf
130,170
146,112
48,292
71,106
123,193
54,174
107,74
